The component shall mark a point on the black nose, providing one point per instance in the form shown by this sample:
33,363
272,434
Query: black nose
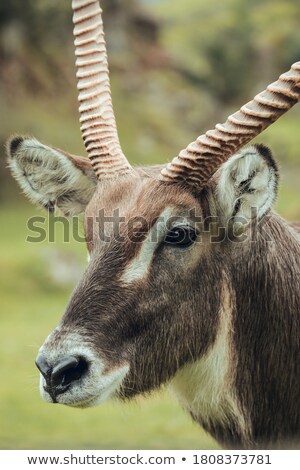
61,375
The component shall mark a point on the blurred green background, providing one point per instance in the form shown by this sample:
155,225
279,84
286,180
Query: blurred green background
177,68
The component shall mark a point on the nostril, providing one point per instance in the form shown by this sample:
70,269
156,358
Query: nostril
43,366
68,370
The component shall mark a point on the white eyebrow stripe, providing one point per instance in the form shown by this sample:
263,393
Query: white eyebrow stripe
138,268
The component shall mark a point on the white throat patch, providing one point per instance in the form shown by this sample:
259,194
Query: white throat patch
205,387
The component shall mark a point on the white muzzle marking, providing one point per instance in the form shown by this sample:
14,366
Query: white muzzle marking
92,388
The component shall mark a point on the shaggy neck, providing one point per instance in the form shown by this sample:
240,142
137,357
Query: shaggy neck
266,333
206,387
244,390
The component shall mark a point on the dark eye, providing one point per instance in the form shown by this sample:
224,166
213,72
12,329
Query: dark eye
181,237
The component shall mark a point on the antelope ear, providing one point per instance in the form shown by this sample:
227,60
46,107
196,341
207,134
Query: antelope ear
50,177
247,184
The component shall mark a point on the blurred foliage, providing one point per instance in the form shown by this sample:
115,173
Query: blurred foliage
233,46
177,68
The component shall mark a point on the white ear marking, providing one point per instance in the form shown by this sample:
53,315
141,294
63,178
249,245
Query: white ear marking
48,177
247,181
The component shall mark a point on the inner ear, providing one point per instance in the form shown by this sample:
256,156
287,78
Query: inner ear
51,177
247,184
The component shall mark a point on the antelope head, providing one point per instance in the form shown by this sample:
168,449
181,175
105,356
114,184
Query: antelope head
155,290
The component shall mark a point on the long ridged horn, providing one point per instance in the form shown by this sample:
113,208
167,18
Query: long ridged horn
98,124
199,161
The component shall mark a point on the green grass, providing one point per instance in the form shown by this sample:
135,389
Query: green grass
31,304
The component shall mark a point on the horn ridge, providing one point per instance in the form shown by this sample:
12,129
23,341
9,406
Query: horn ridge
98,123
201,159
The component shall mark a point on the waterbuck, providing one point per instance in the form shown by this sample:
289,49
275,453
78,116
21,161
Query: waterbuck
193,280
